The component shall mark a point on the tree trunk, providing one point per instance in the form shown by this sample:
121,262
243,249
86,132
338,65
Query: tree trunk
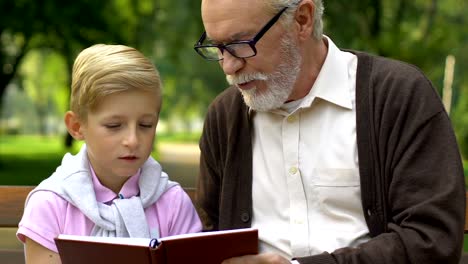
68,139
6,77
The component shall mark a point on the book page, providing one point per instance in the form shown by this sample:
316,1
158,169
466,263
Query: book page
146,241
113,240
206,233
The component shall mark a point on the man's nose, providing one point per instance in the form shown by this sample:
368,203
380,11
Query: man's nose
230,64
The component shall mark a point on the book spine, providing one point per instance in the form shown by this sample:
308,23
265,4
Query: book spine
158,255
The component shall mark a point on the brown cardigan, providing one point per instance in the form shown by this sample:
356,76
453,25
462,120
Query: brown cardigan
411,174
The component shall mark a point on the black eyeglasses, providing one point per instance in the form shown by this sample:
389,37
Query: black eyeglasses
238,49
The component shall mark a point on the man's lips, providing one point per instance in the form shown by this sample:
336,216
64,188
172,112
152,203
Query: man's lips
247,85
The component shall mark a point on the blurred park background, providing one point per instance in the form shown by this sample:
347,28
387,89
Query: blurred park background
40,40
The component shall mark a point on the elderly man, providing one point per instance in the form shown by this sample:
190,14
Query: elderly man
335,156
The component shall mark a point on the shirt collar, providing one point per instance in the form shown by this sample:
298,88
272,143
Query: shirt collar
105,195
332,83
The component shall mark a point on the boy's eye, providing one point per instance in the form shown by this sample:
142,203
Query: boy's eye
110,126
146,125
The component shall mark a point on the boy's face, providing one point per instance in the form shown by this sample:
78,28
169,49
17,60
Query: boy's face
119,135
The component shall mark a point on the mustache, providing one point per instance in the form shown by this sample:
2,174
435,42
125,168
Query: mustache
243,78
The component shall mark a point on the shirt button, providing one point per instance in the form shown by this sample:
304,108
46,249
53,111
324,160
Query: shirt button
291,118
369,212
298,222
293,170
245,217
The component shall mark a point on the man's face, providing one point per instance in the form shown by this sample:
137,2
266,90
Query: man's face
279,84
266,80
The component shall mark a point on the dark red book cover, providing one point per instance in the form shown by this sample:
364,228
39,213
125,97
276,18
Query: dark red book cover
206,248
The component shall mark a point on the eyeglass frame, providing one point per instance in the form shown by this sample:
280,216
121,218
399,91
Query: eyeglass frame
251,42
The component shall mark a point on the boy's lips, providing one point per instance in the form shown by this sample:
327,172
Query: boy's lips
129,158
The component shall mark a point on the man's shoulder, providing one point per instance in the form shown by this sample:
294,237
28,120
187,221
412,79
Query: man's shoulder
391,75
383,66
229,100
229,95
391,80
227,110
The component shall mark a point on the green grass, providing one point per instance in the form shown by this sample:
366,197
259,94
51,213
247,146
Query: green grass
27,160
179,137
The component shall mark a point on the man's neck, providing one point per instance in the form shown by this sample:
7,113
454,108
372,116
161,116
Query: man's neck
313,58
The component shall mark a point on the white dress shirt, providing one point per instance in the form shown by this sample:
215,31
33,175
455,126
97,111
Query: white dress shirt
306,189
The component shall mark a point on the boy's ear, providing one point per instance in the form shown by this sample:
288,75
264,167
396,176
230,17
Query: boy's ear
74,125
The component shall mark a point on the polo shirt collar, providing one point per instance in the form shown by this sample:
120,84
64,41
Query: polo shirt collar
106,195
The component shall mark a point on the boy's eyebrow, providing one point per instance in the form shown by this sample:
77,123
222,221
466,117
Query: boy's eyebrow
152,115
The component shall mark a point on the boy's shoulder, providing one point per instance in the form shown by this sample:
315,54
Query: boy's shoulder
45,198
176,195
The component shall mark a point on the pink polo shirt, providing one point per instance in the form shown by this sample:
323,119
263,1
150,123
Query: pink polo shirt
47,215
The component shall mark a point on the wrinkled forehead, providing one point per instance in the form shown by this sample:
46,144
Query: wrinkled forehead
227,20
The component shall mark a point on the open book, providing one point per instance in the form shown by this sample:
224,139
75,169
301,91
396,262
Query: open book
207,248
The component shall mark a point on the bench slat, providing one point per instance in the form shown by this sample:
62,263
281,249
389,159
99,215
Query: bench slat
12,204
12,256
11,210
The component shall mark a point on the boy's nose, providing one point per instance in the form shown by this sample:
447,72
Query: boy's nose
131,139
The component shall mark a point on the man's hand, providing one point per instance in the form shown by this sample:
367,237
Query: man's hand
266,258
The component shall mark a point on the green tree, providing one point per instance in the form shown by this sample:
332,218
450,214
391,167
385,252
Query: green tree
420,32
60,25
166,30
47,91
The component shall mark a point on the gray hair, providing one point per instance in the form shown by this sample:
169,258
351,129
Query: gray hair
277,5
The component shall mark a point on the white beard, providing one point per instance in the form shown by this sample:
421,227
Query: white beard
279,83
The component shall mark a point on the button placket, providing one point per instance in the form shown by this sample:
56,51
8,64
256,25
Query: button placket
293,170
297,199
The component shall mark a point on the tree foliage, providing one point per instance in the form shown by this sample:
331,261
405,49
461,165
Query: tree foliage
60,25
420,32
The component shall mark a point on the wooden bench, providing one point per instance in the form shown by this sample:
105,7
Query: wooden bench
11,210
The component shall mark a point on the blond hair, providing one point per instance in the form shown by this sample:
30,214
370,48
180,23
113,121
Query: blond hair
101,70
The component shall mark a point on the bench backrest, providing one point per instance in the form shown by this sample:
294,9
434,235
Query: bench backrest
11,210
12,204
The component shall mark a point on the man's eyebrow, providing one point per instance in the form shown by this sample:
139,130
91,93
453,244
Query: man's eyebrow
234,37
240,35
208,39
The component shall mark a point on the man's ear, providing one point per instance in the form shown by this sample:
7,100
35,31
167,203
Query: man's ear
304,18
74,125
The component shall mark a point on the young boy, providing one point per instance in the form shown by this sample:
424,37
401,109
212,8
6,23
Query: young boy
112,187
